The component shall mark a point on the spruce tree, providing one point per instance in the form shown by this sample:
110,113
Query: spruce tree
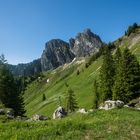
71,103
43,97
10,91
127,82
106,75
117,64
95,96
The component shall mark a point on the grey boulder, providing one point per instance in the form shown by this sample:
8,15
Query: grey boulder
59,113
107,105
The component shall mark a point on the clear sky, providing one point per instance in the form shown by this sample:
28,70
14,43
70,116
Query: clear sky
25,25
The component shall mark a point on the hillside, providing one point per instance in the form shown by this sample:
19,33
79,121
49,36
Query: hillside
66,76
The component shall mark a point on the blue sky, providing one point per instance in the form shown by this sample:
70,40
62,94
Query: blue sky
25,25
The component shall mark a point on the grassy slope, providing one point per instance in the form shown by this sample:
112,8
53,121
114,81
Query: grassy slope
81,84
117,124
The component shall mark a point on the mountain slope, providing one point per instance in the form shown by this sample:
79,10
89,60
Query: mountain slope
66,76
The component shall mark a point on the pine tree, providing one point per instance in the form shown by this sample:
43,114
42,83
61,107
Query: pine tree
10,90
17,98
43,97
95,96
71,104
117,64
127,83
106,75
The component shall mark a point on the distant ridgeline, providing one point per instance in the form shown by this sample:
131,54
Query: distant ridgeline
58,52
28,69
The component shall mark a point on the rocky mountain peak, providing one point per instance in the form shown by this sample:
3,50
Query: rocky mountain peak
57,52
85,43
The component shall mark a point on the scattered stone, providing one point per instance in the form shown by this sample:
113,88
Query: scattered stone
112,104
82,110
134,102
59,113
48,80
91,110
10,114
37,117
126,106
2,111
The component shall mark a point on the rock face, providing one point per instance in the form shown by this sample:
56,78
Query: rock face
111,104
85,44
56,53
59,113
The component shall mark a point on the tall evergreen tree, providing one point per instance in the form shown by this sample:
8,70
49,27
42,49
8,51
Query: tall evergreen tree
10,90
106,75
71,104
95,95
43,97
127,83
117,64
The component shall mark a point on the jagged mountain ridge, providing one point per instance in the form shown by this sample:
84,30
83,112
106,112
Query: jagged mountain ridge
58,52
85,43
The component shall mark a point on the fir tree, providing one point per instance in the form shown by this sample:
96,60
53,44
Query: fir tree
71,104
117,64
95,96
106,75
43,97
127,83
10,90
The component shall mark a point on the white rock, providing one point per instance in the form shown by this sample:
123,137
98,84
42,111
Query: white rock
48,80
91,110
111,104
126,106
82,110
59,113
37,117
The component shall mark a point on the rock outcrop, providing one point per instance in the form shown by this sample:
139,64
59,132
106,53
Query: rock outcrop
56,53
82,110
111,104
38,117
85,44
10,113
59,113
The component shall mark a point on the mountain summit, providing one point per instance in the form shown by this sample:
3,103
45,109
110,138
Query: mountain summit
85,43
56,53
